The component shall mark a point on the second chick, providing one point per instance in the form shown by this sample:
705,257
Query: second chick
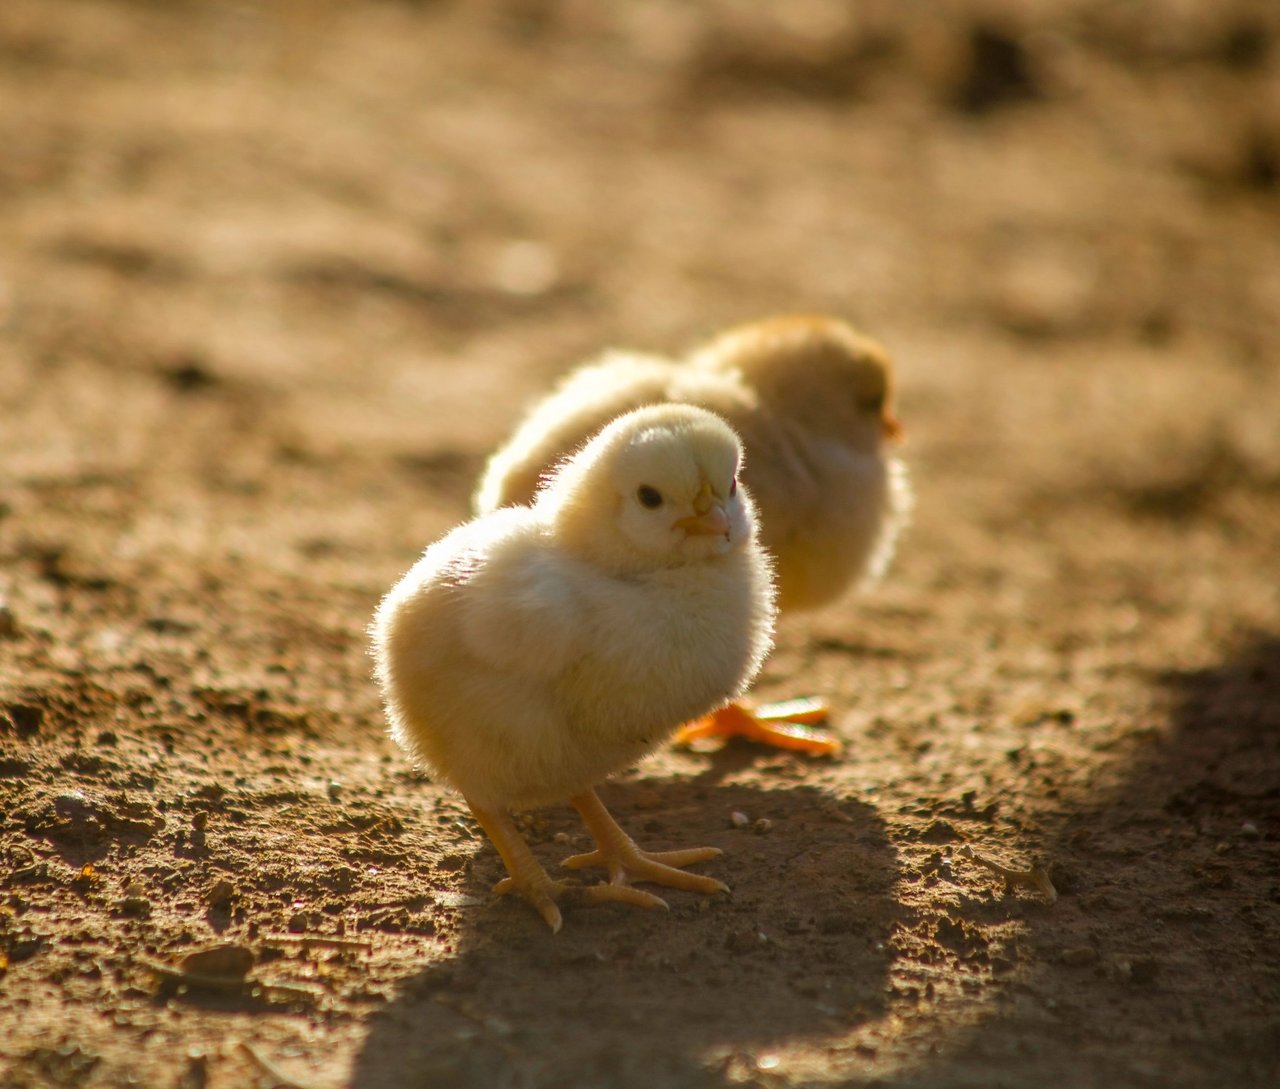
812,399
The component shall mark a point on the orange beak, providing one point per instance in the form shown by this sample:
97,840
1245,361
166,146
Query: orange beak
712,523
893,429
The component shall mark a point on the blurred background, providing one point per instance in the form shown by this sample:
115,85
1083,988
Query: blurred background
274,279
415,201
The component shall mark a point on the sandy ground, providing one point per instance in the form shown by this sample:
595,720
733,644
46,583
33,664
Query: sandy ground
274,278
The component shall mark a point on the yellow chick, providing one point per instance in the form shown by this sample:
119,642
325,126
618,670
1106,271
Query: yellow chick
812,400
535,650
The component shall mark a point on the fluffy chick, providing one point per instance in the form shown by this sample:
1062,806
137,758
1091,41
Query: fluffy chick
537,649
812,399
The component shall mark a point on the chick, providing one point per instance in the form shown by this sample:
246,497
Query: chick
812,400
535,650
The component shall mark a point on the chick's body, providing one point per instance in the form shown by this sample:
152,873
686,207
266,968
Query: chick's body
535,650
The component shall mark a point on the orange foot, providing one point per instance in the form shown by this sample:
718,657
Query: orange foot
617,852
785,725
529,880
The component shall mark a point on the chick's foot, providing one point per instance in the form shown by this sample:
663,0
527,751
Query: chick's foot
786,725
626,862
529,880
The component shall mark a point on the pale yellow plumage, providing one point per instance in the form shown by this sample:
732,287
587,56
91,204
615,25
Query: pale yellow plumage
535,650
811,399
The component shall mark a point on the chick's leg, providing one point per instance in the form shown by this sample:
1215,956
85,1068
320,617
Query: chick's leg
625,862
786,725
531,881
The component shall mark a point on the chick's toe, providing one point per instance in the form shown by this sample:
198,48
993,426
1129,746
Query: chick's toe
626,862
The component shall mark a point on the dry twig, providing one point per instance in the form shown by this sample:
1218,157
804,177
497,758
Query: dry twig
270,1068
1036,878
318,939
196,979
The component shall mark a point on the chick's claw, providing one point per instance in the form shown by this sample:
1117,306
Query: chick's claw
541,895
786,725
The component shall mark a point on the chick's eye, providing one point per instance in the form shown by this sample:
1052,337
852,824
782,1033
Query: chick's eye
649,497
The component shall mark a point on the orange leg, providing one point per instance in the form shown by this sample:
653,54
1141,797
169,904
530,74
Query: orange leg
625,862
530,880
786,725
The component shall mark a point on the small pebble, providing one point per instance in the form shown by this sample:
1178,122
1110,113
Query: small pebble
1249,830
221,892
136,906
739,819
763,825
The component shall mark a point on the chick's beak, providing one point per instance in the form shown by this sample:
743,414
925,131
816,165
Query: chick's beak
710,519
713,522
893,429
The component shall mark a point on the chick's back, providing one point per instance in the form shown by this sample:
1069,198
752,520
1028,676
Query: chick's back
587,399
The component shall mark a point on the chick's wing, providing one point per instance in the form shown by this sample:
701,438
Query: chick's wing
583,403
520,614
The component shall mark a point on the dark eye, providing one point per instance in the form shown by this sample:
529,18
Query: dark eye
649,497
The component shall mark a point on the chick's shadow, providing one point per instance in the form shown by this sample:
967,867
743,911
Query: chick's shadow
624,997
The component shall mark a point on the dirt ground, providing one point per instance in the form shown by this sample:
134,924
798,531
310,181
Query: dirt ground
275,277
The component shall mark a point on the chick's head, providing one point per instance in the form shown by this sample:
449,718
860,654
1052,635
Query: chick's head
816,370
657,487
